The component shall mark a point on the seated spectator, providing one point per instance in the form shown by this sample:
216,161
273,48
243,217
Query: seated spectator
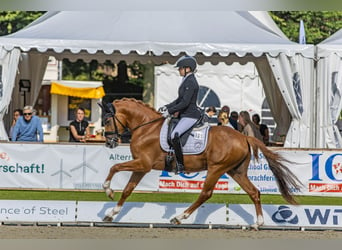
28,127
223,117
209,112
79,128
224,109
224,120
262,128
248,127
16,114
233,119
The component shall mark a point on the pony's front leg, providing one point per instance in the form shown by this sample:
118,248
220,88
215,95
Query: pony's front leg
109,192
132,183
109,217
134,165
106,185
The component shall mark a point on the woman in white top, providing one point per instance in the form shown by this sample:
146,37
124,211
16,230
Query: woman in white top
248,127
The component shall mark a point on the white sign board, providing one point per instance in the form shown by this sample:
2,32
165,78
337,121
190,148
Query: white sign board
37,211
138,212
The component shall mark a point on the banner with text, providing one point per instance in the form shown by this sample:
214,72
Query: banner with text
85,166
287,215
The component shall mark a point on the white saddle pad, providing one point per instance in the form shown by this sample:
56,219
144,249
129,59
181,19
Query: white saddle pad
195,144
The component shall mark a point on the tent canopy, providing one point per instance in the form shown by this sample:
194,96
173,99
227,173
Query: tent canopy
285,67
336,39
330,45
154,33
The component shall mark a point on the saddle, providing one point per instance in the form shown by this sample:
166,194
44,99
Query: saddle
193,141
184,137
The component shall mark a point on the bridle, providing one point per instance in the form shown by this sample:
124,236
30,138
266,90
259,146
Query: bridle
113,137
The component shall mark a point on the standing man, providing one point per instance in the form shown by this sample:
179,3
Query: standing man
28,127
185,105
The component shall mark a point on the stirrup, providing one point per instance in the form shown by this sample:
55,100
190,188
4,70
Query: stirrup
179,168
169,159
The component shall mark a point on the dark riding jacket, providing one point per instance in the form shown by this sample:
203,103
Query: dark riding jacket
186,103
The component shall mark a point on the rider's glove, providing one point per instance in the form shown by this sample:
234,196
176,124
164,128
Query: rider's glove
165,114
162,109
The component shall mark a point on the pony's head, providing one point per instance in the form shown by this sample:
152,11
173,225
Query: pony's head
110,121
124,116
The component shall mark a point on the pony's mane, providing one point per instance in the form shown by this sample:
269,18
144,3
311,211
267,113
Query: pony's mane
125,99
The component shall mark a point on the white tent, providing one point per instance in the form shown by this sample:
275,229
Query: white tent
285,68
329,83
236,85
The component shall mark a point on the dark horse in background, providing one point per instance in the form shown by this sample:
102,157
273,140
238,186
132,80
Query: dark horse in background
227,151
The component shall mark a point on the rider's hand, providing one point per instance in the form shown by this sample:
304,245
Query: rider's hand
162,109
166,114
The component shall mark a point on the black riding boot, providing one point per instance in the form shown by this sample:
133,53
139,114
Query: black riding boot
179,154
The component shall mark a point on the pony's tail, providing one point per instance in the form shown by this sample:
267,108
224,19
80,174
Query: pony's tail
284,176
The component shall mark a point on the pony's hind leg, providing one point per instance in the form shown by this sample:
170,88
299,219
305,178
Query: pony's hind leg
242,179
132,183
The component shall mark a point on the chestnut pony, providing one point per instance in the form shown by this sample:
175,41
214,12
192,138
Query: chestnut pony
227,151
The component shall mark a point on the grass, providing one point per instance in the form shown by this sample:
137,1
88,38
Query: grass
160,197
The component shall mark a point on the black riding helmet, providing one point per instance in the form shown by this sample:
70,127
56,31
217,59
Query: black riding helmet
187,61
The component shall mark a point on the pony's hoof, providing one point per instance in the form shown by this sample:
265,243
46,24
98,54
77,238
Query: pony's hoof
175,221
110,193
107,219
254,227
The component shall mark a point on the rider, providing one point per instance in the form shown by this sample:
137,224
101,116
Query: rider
185,105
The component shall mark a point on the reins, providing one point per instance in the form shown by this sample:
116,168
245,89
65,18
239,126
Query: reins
144,124
115,132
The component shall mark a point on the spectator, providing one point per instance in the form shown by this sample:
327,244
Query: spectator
16,114
233,119
79,128
28,127
262,128
210,111
224,120
223,117
248,127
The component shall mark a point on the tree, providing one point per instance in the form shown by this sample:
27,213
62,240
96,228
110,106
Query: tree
12,21
81,71
319,25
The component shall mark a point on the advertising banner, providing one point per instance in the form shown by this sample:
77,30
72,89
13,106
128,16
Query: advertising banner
302,216
37,211
85,167
145,212
287,215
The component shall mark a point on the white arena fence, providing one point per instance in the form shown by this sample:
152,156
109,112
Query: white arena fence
85,167
283,216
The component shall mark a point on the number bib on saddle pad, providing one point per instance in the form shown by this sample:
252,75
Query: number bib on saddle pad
195,144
